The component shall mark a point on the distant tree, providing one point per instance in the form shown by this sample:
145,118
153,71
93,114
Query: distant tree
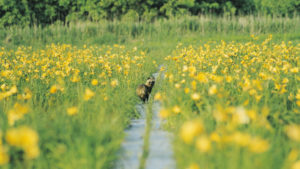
44,12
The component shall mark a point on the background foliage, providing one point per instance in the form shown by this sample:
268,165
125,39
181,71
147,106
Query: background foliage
43,12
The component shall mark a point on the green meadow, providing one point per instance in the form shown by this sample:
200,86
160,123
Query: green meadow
230,91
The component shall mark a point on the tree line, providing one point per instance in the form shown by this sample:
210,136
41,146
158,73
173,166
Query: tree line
44,12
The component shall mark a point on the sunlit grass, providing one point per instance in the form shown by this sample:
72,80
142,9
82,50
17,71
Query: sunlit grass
234,105
66,107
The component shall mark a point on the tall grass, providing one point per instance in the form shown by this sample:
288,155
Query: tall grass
231,105
108,32
59,77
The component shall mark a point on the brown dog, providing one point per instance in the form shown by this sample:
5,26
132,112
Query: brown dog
144,90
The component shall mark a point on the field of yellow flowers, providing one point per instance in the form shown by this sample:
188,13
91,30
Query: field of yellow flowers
229,104
233,105
62,106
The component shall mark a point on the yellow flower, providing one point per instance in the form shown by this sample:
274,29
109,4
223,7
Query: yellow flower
21,109
258,145
4,158
296,165
195,96
212,90
177,85
176,109
72,111
27,94
298,94
25,138
105,98
186,90
94,82
298,103
220,114
194,85
16,113
190,130
215,137
294,70
293,155
293,132
164,113
228,79
114,83
241,139
3,87
157,96
32,152
203,144
53,89
75,78
193,166
13,90
240,116
88,94
162,69
285,80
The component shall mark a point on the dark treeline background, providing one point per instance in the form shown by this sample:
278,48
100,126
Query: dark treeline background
44,12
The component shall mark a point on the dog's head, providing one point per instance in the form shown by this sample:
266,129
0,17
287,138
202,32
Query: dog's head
150,81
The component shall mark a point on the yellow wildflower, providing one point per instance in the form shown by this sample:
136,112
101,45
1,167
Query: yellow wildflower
13,90
298,103
203,144
32,152
215,137
212,90
195,96
88,94
241,139
27,94
94,82
285,80
53,89
157,96
193,166
176,109
4,158
72,111
293,132
114,83
293,155
16,113
164,113
25,138
190,130
294,70
258,145
296,165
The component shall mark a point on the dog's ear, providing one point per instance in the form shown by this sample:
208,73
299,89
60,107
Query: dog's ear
150,77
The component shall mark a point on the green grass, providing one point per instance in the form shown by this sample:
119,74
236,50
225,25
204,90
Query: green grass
271,111
176,30
92,138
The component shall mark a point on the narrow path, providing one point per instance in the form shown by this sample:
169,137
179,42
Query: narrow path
159,153
160,149
132,147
